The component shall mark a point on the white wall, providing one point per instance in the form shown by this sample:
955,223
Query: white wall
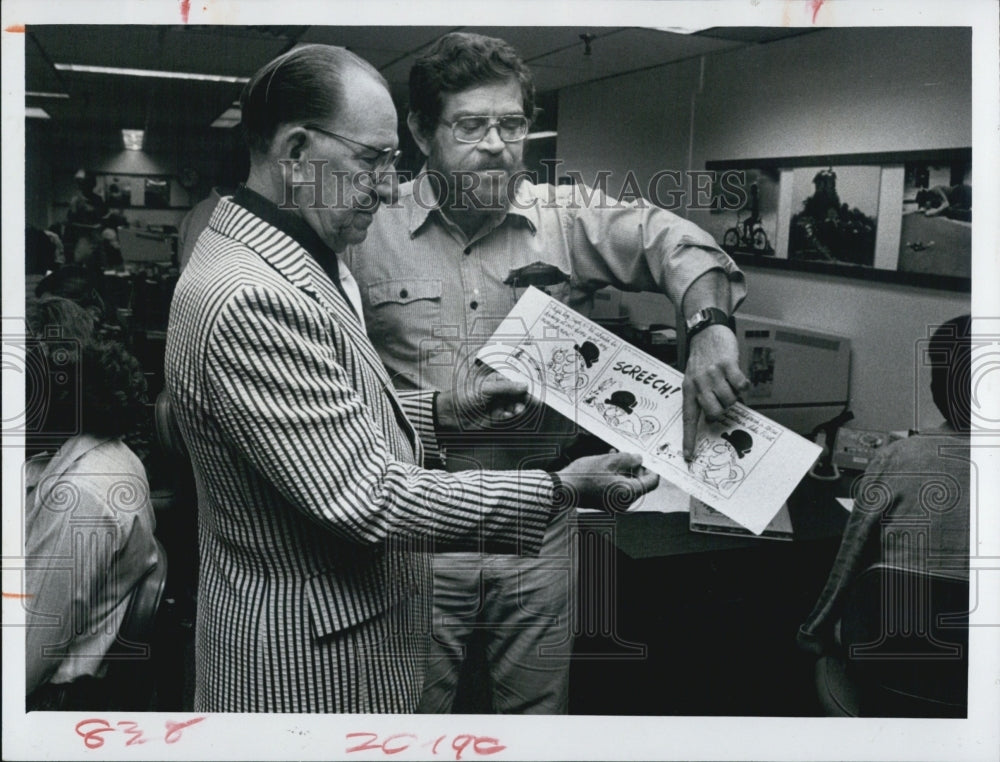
639,122
834,91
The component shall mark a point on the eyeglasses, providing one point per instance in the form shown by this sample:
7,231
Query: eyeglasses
511,128
383,162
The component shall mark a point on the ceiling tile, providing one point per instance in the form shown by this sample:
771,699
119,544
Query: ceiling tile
533,41
631,49
404,39
131,46
206,51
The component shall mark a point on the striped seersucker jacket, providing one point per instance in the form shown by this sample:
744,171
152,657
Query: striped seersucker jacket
315,517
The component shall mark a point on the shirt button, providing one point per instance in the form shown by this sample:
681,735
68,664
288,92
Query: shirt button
473,304
468,250
403,293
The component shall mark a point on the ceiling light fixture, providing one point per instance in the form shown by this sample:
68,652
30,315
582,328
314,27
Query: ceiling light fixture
84,69
133,139
36,94
34,112
681,29
541,134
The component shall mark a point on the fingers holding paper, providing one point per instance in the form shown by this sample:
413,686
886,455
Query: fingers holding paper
611,482
484,399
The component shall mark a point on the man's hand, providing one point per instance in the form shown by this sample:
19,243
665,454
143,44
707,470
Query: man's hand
487,398
612,482
712,380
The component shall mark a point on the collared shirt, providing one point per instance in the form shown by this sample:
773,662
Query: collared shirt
297,228
432,296
89,540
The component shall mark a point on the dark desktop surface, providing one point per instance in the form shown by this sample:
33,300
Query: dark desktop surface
674,622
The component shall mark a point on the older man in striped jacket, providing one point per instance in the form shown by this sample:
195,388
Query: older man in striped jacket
315,515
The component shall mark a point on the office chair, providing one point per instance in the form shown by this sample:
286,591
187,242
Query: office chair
905,640
130,681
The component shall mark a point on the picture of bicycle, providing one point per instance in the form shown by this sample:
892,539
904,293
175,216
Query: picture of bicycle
748,235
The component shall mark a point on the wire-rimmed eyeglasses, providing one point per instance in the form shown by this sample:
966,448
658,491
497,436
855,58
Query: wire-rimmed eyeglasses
383,162
511,128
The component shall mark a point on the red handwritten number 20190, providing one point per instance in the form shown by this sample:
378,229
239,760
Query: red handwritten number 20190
394,744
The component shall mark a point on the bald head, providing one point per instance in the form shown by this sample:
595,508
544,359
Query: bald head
304,85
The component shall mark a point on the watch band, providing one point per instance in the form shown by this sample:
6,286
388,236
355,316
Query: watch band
705,317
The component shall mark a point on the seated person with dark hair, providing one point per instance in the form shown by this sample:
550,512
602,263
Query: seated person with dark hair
79,285
88,519
917,484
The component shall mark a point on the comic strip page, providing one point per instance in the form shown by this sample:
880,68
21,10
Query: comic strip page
745,465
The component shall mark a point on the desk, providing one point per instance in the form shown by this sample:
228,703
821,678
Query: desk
674,622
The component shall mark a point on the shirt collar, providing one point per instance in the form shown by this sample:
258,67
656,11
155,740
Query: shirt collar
291,225
525,211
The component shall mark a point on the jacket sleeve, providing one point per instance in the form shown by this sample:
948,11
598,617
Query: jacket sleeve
286,402
418,404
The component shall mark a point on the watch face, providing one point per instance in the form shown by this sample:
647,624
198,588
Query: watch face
699,317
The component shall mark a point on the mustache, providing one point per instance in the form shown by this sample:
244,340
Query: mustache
491,166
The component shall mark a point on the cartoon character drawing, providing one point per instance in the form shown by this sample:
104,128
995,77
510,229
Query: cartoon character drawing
618,411
566,368
563,374
716,464
597,391
588,352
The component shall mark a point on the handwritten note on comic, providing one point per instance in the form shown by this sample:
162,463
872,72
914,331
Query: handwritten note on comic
745,466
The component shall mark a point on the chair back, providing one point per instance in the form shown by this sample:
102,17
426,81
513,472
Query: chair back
139,625
168,433
905,635
131,676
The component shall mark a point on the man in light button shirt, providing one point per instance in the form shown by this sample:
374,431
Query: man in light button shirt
434,279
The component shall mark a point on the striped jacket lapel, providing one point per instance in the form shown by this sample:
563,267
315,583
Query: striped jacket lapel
295,264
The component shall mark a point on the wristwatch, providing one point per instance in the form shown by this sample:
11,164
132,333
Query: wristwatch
705,317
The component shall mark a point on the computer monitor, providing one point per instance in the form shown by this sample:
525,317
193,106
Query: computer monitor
800,377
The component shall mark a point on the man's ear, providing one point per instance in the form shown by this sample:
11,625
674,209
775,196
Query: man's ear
423,141
290,142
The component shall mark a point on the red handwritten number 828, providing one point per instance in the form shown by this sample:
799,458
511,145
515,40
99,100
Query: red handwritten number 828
93,738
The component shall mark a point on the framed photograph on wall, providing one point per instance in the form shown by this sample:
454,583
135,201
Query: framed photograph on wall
898,217
134,191
746,218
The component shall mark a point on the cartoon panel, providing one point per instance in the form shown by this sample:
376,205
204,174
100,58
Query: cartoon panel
726,451
563,351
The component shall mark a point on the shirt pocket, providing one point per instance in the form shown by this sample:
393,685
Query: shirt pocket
403,313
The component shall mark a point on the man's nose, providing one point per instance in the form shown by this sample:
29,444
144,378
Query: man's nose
387,186
491,141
